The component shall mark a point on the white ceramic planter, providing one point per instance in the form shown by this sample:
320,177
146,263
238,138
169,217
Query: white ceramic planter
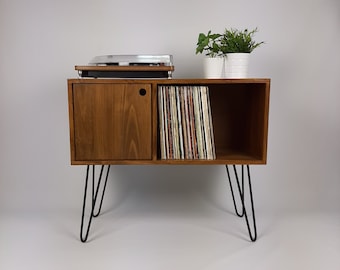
214,67
236,65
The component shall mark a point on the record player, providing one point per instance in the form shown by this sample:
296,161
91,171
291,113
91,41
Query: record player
128,66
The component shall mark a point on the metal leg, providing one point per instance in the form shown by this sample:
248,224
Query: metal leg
95,191
94,197
104,188
241,191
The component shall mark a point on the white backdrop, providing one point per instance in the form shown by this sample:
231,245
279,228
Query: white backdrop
42,40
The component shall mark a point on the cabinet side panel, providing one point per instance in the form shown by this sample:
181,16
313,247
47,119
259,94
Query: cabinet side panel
256,121
71,120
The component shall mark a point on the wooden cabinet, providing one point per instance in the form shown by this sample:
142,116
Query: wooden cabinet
115,121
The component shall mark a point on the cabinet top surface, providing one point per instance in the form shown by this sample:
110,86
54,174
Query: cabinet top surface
172,81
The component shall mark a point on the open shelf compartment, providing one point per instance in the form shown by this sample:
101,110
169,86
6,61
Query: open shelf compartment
240,121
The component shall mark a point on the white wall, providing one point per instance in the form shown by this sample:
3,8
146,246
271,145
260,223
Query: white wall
42,40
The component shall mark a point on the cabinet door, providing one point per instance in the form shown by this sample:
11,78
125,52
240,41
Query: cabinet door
111,121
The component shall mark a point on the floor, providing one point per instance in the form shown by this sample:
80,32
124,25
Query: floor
168,235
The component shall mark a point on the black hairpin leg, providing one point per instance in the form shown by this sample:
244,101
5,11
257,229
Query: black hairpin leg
94,197
241,191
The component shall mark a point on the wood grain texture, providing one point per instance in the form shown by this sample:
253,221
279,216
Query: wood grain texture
112,121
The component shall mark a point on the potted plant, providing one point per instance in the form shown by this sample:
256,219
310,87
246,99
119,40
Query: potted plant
237,45
210,45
